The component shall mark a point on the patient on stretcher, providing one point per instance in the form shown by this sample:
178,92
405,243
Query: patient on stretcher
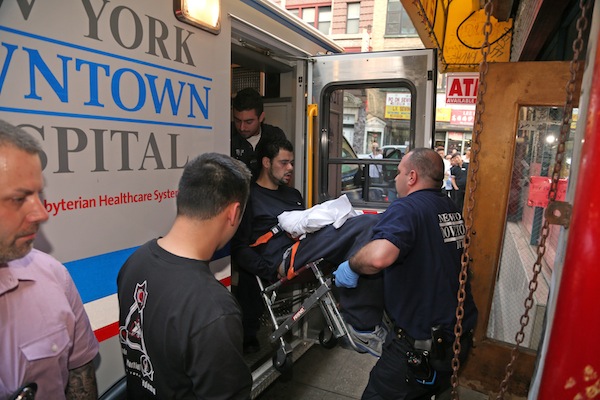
261,247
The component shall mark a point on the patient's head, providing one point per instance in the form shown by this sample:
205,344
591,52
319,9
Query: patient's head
277,163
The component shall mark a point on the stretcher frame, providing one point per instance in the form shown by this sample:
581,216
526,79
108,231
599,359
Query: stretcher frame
321,296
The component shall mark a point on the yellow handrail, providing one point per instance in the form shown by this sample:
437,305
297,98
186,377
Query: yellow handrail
313,111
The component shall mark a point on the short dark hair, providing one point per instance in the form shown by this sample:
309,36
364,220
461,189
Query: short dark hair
270,148
11,135
211,182
428,164
248,99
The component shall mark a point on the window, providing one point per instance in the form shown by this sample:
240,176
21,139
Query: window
397,20
319,17
308,15
382,113
353,18
324,23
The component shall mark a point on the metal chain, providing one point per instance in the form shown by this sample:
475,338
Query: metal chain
541,250
473,169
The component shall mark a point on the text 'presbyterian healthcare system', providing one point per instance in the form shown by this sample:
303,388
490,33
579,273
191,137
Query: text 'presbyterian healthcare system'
55,207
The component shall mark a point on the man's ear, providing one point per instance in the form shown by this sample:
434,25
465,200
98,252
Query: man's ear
266,162
234,213
261,117
413,177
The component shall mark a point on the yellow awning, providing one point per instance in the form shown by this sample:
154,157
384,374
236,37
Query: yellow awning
455,28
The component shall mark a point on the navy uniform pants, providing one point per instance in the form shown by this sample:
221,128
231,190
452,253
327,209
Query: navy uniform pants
392,379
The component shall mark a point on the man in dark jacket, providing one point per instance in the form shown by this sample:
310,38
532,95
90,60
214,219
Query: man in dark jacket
248,129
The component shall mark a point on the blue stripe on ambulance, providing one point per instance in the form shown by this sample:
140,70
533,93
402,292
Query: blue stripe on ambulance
96,277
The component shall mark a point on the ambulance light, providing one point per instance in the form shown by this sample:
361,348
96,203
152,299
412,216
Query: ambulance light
204,14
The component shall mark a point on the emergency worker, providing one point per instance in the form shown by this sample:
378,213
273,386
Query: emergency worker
180,328
418,245
45,335
248,128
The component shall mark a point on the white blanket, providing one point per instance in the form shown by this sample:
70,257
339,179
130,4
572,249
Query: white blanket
301,222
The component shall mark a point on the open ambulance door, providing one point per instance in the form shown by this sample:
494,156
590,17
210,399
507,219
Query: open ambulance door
383,97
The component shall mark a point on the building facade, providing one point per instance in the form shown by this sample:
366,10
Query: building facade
381,25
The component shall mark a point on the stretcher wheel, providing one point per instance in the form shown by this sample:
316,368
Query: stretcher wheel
282,361
327,339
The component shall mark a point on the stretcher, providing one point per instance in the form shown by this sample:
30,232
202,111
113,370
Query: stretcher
320,295
308,264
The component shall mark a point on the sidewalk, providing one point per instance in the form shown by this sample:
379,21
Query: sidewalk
336,374
322,374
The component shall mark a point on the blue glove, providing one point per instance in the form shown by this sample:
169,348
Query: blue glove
344,276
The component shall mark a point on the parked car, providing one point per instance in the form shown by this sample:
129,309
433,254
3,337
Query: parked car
394,150
353,180
349,171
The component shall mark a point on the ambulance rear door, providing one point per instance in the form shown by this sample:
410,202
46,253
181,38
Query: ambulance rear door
382,97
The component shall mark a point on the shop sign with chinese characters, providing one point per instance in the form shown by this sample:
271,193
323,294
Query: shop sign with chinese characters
539,187
397,105
462,117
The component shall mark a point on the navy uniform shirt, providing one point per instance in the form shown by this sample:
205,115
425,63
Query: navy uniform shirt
421,286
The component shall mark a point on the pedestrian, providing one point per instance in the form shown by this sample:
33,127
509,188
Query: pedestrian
458,176
447,182
45,335
375,170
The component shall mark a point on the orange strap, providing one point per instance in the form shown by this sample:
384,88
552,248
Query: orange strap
267,236
291,273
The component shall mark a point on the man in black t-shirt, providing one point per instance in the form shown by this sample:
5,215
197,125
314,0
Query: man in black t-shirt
180,328
458,176
270,195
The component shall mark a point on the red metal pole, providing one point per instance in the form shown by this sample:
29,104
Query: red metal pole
572,365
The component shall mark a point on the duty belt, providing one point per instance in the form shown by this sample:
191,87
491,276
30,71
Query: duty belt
436,334
418,344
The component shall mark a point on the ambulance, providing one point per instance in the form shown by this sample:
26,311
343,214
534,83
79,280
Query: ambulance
123,93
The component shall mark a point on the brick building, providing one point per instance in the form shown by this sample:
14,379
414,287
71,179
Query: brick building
355,25
382,25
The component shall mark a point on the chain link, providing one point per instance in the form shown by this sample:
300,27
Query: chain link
582,23
473,169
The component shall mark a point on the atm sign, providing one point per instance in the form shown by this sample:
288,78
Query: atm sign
462,88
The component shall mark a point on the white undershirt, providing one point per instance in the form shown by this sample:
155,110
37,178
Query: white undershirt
253,140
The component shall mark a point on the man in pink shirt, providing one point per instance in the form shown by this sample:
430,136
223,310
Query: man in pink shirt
45,334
